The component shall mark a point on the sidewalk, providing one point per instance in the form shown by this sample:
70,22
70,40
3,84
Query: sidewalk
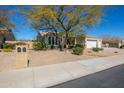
50,75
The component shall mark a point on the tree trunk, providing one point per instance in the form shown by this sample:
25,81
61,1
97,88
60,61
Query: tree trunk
60,44
66,39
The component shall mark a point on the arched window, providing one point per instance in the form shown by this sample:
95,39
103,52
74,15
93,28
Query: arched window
18,49
24,49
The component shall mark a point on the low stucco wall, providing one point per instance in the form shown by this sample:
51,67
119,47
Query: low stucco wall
29,43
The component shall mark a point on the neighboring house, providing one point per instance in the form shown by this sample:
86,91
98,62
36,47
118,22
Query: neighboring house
112,42
51,39
6,35
121,43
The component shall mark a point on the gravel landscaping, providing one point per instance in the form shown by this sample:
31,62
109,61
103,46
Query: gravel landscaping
40,58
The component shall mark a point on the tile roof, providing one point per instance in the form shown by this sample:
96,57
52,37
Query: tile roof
8,34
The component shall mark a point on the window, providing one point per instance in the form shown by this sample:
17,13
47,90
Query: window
24,49
52,40
18,49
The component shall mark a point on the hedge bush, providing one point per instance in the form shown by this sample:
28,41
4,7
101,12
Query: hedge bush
7,50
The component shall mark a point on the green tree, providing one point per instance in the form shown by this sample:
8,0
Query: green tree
64,18
5,17
39,45
5,22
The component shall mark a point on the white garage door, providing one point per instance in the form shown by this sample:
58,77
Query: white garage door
91,43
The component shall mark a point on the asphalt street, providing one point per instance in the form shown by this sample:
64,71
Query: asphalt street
110,78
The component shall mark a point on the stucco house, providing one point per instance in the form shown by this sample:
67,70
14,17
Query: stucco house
122,42
51,39
112,42
6,35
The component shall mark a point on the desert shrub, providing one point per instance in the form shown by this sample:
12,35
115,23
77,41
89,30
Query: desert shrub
122,46
79,45
78,49
52,47
39,45
8,46
101,49
7,50
97,49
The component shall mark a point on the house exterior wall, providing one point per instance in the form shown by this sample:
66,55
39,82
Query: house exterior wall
88,42
49,38
121,43
99,43
28,43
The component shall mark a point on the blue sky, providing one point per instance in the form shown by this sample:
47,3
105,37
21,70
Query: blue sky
22,31
111,24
